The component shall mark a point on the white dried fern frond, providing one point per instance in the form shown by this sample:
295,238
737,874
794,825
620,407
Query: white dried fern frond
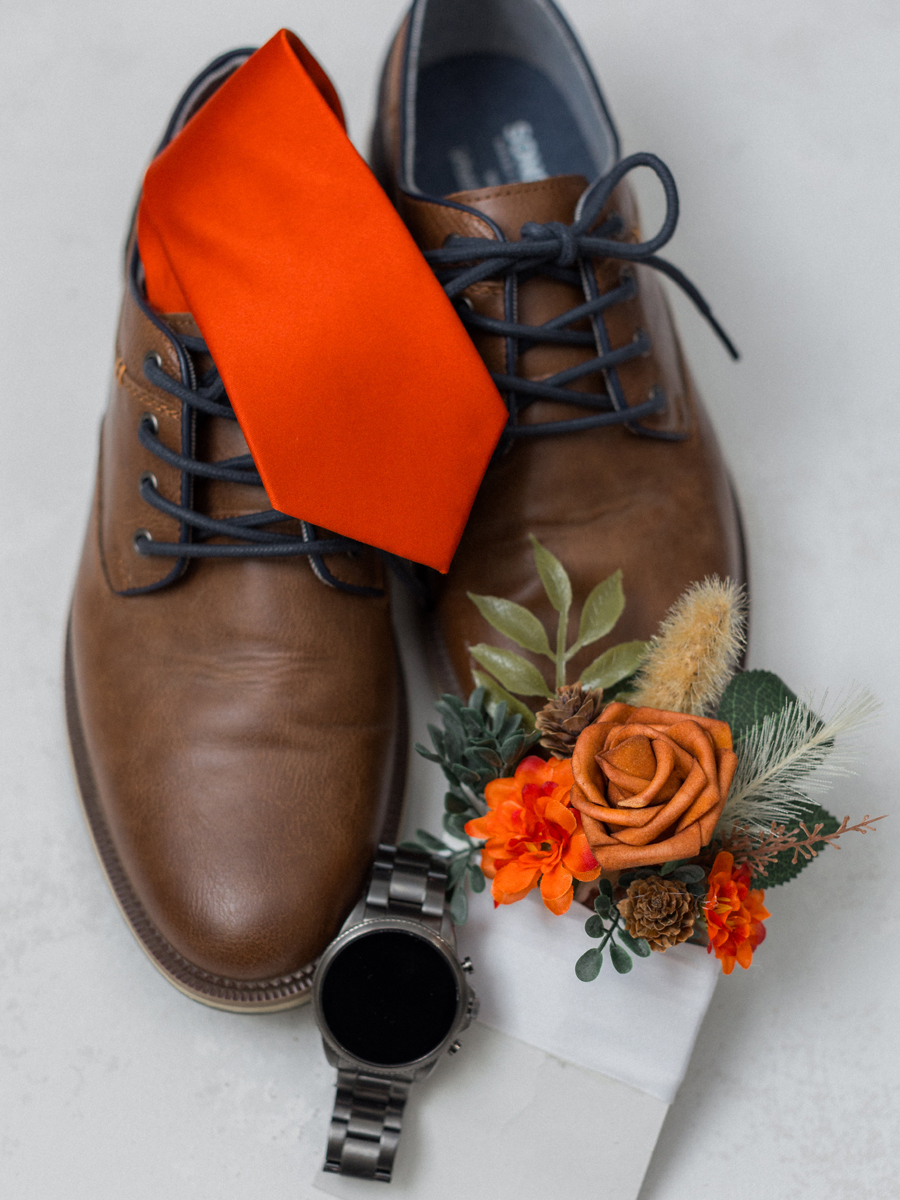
790,748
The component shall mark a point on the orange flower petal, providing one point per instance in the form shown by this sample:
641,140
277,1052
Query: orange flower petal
560,771
560,815
533,770
501,897
488,864
513,877
555,883
499,790
561,904
745,954
476,828
579,858
722,868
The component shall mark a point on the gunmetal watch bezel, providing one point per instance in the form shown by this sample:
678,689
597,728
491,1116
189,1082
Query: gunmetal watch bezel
417,1068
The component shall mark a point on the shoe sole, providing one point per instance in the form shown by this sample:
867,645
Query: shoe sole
215,991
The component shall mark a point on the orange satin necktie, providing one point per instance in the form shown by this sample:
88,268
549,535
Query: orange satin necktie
365,405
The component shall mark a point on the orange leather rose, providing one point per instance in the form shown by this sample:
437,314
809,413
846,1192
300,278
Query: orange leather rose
650,784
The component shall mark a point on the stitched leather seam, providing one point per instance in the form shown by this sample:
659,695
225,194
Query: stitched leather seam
126,381
518,189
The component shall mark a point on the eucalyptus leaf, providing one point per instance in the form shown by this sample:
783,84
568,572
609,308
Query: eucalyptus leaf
621,959
513,672
603,905
476,878
628,877
459,906
500,696
614,665
606,888
638,946
672,865
430,841
484,756
464,776
690,873
514,622
457,870
455,804
601,611
410,846
588,966
553,575
426,753
594,927
454,824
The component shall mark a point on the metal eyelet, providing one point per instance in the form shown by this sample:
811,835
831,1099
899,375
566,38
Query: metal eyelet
640,335
150,420
139,536
152,356
148,477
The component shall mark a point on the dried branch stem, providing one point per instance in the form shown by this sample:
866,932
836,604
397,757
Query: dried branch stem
761,850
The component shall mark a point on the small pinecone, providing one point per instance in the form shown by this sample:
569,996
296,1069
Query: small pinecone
563,718
659,910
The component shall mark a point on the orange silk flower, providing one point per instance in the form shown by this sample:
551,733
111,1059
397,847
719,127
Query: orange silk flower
532,834
650,784
734,914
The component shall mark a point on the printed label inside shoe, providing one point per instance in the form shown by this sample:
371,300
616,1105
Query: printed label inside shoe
483,120
518,156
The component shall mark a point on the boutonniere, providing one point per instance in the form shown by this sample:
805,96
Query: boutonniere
665,790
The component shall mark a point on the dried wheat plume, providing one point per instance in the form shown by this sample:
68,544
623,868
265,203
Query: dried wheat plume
696,651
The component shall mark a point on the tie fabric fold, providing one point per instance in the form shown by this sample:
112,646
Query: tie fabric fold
366,407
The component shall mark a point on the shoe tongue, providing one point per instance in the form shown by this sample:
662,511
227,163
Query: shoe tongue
514,204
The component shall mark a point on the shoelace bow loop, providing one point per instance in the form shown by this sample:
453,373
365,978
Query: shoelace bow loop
557,249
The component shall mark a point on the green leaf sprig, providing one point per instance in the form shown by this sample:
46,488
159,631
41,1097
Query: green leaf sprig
506,675
587,968
605,924
474,746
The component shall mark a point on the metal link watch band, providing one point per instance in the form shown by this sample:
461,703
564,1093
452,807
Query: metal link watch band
407,883
365,1126
368,1110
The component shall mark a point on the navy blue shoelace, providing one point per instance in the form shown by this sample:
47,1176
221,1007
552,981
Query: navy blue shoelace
250,535
564,252
557,250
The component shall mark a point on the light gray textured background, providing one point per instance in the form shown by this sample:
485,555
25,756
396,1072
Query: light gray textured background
780,123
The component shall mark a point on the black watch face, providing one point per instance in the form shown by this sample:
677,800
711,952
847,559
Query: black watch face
389,998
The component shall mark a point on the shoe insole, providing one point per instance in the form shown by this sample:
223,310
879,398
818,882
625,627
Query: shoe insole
489,119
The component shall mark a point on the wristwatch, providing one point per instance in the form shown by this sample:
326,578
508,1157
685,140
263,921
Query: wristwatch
390,996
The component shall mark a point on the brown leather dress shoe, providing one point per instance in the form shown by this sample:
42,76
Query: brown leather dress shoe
496,146
235,710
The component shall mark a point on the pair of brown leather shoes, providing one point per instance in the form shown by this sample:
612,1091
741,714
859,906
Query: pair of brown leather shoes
236,715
